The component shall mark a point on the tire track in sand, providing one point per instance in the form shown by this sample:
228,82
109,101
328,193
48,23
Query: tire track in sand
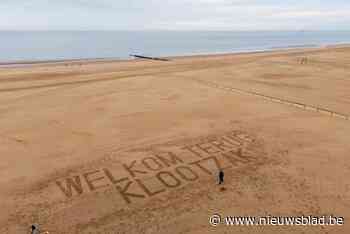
299,105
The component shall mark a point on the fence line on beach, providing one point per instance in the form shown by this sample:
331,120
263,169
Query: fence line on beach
277,100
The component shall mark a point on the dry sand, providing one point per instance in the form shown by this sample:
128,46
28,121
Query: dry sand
135,146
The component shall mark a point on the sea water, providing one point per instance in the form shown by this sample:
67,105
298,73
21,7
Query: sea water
18,46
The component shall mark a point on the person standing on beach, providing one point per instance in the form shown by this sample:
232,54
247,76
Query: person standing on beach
34,230
221,177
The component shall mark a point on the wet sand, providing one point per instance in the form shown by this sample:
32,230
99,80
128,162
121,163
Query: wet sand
135,146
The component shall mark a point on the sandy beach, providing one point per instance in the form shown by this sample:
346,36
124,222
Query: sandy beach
136,146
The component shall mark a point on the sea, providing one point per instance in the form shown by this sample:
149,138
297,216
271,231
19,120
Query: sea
18,46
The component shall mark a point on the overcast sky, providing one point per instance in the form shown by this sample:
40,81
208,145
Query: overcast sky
174,14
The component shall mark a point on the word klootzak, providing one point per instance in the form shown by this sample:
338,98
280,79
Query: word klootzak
160,171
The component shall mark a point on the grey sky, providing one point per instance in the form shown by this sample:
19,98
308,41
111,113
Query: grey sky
174,14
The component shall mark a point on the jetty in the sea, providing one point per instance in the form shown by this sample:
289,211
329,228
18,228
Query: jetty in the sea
147,57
